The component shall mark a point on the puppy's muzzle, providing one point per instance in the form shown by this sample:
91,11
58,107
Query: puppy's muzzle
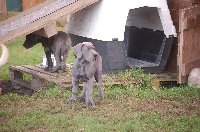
82,78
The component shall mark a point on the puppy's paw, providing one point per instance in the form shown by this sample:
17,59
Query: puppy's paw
71,101
63,67
82,98
100,97
90,104
48,69
55,70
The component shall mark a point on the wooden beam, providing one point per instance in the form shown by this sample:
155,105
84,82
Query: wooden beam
47,31
187,67
27,4
42,22
180,45
4,8
196,1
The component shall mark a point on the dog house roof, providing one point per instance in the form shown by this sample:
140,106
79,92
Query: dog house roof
106,19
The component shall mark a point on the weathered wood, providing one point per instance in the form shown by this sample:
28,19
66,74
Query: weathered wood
188,44
192,21
47,31
174,7
39,77
37,83
196,1
180,45
22,83
187,67
17,30
3,7
27,4
164,79
13,74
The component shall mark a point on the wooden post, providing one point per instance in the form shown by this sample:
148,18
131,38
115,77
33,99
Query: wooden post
27,4
47,31
196,1
4,8
37,83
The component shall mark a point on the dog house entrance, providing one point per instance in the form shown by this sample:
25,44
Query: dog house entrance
145,42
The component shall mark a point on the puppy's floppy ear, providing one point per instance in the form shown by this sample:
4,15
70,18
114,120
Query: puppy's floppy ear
77,50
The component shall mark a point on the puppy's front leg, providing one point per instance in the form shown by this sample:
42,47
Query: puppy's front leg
83,95
74,91
89,100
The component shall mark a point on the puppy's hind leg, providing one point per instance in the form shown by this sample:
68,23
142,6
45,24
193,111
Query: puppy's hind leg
57,55
63,62
74,91
49,61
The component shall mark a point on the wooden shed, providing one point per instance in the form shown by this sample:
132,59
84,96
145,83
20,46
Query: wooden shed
27,4
140,34
185,52
10,8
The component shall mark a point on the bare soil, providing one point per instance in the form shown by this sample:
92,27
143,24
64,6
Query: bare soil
5,87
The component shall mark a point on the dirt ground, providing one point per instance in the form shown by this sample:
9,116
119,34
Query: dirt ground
5,87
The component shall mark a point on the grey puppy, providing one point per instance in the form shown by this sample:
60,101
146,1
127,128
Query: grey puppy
86,67
59,45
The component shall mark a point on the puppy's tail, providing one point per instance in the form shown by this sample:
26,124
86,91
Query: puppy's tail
4,56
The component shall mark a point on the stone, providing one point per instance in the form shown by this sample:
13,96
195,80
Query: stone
194,78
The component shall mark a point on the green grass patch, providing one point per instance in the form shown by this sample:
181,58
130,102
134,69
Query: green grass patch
127,107
119,111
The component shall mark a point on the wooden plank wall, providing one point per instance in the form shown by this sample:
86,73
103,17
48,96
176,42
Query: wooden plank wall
3,8
189,44
196,1
175,6
27,4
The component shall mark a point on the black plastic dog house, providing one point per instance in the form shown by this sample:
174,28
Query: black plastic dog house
126,33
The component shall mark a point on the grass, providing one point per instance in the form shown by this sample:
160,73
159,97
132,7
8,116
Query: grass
121,110
128,107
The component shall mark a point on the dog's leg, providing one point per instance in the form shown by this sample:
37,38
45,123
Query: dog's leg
89,91
83,95
49,61
63,62
57,56
98,78
74,91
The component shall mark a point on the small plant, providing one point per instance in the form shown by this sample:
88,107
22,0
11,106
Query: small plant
131,78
